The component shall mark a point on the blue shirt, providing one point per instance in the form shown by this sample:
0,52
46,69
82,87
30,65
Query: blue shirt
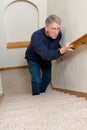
43,49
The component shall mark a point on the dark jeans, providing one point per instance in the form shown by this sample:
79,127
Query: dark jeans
40,76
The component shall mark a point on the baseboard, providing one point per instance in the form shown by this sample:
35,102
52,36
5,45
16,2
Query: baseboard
71,92
13,67
1,97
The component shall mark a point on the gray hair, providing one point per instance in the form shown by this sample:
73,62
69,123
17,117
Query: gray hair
52,18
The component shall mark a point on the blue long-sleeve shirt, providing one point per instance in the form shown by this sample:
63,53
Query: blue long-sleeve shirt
43,49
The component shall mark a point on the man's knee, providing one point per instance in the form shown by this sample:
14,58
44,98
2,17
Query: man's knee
36,80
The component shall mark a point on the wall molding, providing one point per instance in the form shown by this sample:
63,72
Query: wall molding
13,67
19,44
71,92
1,97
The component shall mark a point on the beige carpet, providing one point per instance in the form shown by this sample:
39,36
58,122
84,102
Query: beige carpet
52,110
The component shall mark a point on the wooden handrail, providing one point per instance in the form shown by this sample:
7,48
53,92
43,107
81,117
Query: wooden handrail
77,43
80,41
21,44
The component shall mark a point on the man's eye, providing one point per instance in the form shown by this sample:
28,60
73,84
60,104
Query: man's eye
54,29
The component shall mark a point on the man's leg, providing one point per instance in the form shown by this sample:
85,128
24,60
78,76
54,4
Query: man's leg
34,70
46,77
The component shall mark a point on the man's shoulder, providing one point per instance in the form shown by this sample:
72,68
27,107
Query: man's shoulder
38,33
41,30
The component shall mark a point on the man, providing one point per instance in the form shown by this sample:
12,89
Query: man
44,48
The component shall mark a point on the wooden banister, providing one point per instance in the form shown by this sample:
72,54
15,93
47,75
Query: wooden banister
80,41
77,43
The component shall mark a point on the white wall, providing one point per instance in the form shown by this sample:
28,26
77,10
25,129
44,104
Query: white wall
18,20
73,16
71,72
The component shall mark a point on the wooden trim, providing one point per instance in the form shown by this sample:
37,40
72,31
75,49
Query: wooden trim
14,67
80,41
1,97
20,44
71,92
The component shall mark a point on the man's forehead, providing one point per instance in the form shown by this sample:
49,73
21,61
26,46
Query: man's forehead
54,24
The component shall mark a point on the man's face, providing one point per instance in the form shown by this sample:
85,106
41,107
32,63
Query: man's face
52,30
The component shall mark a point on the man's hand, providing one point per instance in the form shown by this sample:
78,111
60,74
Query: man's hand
66,48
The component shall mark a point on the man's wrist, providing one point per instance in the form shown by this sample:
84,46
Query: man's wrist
62,50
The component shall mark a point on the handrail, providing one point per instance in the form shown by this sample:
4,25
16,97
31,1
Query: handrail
75,44
23,44
80,41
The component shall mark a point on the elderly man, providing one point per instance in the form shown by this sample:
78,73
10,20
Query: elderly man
45,47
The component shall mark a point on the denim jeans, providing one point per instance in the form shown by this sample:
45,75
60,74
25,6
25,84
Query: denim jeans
40,76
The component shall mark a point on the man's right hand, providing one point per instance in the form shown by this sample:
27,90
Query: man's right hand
67,48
